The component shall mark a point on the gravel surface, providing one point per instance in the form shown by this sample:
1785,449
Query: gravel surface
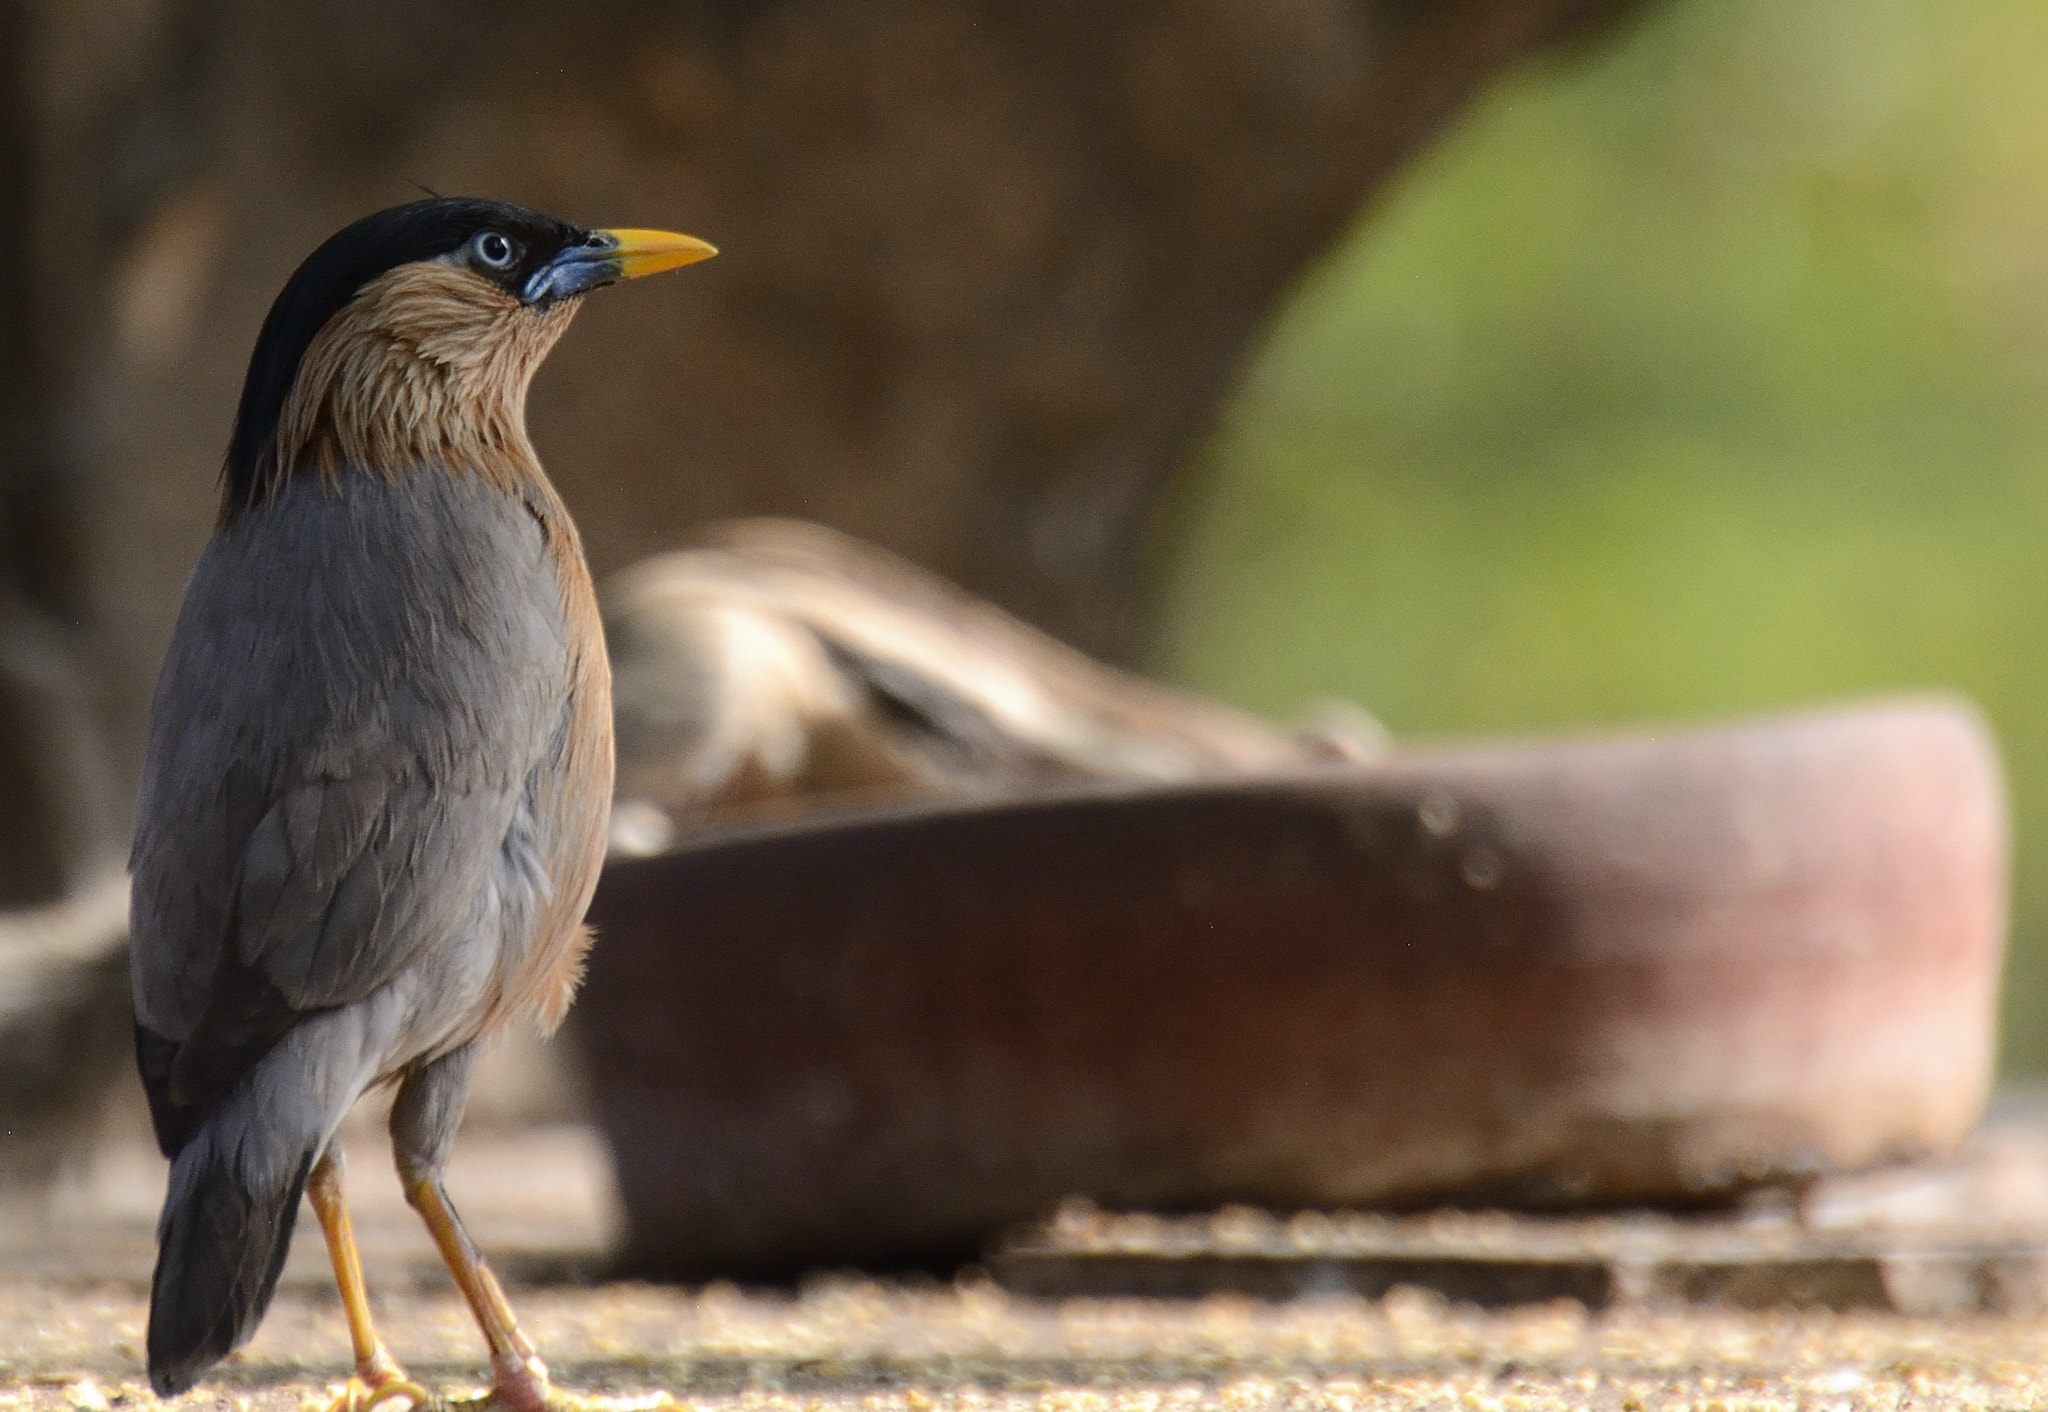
913,1348
74,1272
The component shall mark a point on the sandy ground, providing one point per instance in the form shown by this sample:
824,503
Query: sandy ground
74,1270
894,1348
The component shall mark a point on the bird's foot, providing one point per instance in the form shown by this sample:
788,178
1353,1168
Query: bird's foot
549,1398
356,1395
521,1385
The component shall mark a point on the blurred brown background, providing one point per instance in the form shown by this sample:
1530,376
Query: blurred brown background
1691,366
989,272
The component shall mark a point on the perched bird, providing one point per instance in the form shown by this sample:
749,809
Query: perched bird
379,764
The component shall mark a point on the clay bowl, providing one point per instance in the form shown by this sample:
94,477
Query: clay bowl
1639,969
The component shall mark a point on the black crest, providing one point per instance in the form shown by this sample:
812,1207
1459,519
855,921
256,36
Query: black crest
497,240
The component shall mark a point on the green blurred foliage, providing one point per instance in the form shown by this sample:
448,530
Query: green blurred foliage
1705,373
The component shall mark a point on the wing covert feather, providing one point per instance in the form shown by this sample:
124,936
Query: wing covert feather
365,678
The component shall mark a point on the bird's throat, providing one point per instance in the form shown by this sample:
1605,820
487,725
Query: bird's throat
426,369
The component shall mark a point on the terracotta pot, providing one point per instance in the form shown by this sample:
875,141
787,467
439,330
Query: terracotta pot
1641,969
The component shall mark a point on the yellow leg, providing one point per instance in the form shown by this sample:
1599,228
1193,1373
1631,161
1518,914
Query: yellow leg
519,1377
378,1377
518,1374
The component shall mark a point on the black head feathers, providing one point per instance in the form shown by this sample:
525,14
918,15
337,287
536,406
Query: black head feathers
496,240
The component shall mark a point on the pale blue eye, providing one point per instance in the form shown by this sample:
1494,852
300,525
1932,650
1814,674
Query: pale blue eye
496,250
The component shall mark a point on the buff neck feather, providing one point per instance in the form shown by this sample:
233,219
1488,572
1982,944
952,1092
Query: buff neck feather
427,367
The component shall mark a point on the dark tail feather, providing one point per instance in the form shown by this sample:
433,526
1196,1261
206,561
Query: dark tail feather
220,1249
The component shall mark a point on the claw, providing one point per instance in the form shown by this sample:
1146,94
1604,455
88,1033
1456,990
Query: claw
358,1396
419,1397
556,1400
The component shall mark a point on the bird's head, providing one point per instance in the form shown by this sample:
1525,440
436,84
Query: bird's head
408,339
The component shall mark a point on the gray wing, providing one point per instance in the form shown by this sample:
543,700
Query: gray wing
364,680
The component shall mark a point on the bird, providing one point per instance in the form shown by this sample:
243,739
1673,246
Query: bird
378,766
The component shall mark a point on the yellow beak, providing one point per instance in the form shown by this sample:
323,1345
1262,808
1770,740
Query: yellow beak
649,252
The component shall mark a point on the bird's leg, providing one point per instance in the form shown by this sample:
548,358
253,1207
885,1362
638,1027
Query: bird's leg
517,1372
423,1123
518,1376
378,1377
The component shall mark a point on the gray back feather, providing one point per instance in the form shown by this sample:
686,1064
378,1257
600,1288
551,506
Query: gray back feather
364,678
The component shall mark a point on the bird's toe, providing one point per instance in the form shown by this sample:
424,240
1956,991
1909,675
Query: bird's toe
355,1395
554,1399
417,1398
